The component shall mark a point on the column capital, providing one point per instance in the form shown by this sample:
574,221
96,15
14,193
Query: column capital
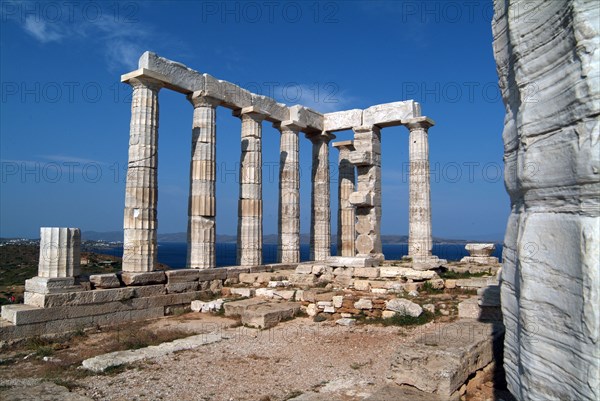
419,123
144,77
343,145
323,136
253,112
198,99
291,125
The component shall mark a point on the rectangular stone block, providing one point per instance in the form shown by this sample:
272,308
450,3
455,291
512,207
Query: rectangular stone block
149,291
389,114
307,117
345,261
47,285
342,120
234,272
366,272
182,287
78,298
182,275
145,278
109,280
304,269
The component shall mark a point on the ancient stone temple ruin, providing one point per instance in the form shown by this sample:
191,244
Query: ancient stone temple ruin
59,299
359,215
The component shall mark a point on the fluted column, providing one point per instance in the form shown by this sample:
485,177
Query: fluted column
419,218
288,249
346,215
367,198
141,188
59,252
201,231
250,216
320,228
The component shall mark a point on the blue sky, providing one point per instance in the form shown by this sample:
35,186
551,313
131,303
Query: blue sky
65,115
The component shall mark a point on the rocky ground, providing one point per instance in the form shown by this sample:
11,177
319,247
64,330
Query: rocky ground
294,358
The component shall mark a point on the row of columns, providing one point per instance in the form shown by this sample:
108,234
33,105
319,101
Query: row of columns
359,214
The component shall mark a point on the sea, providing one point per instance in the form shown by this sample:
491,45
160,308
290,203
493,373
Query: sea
173,254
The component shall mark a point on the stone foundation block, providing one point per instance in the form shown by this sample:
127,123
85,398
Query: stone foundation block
175,288
182,276
145,278
109,280
47,285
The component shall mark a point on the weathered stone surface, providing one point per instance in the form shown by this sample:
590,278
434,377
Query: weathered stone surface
59,252
346,322
302,279
46,391
440,361
366,272
304,269
404,307
182,275
469,309
340,261
130,278
268,315
108,280
236,308
173,288
363,303
390,114
342,120
407,273
102,362
205,307
48,285
549,73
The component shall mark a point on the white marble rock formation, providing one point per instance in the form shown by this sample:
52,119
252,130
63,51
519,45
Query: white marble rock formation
547,55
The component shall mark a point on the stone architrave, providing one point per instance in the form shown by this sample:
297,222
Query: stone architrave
201,234
367,198
250,213
288,249
420,241
320,228
141,188
346,215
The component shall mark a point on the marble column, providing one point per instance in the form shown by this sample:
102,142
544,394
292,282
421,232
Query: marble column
141,188
346,213
419,219
201,232
59,252
250,213
288,249
367,198
320,228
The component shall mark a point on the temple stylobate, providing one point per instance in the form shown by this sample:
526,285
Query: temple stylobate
359,214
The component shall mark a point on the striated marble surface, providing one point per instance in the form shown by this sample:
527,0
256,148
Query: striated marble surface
547,58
